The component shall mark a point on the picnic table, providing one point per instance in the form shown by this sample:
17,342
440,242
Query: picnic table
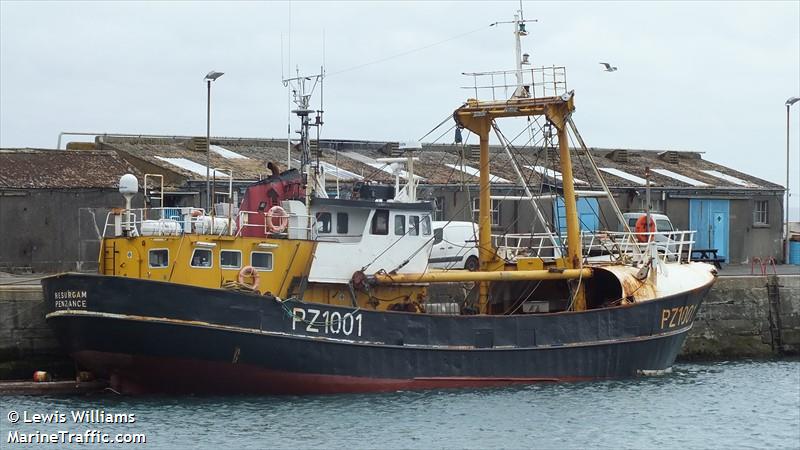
708,255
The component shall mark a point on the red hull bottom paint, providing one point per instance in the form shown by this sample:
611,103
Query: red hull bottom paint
131,374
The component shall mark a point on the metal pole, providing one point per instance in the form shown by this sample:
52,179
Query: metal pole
208,147
574,257
481,277
786,204
485,251
791,101
647,200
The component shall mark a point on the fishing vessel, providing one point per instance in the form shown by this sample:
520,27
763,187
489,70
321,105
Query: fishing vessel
298,292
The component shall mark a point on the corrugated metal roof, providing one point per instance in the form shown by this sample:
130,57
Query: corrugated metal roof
61,169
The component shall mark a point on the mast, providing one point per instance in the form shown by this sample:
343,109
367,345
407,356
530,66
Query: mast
557,109
486,253
301,96
574,243
538,92
520,58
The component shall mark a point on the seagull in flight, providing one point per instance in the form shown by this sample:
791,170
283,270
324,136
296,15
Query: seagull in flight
609,67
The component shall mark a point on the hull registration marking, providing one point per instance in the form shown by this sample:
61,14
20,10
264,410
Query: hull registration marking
327,322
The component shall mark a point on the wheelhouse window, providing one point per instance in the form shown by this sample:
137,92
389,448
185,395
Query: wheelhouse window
230,259
413,225
761,213
324,222
261,261
426,226
380,222
342,223
399,225
158,258
201,257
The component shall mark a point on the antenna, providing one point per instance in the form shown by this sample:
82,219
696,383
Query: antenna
301,90
519,57
288,96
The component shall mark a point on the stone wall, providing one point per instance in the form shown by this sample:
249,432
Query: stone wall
26,342
740,318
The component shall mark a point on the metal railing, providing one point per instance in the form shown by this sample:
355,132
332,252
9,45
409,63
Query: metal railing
291,230
173,221
167,221
672,246
535,82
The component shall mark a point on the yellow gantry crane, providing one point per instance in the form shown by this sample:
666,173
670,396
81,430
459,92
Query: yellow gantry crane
478,117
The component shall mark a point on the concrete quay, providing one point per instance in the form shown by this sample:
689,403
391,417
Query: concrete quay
748,316
744,316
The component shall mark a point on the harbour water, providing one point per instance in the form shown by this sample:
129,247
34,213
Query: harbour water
749,404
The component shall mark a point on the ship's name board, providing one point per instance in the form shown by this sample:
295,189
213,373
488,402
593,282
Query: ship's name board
70,299
676,317
326,322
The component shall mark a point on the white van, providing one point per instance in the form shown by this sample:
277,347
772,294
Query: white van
455,246
663,225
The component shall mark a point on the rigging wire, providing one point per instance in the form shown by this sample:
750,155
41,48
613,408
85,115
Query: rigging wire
447,117
408,52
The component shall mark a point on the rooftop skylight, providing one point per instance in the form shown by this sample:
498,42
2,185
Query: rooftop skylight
338,172
730,178
192,166
225,153
679,177
624,175
382,166
554,174
476,173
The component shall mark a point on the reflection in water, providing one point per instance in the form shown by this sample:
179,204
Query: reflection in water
730,404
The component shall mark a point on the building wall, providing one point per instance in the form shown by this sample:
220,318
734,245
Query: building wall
745,240
756,241
48,231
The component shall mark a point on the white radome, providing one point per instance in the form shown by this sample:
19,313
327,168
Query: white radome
128,184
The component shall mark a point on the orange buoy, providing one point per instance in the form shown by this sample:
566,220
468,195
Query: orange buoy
641,227
276,212
249,271
41,376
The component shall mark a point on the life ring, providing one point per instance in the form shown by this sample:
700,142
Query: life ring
641,227
196,218
276,212
249,271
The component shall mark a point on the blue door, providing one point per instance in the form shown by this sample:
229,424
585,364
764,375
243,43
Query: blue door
709,218
588,212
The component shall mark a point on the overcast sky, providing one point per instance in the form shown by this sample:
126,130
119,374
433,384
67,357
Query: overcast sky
711,77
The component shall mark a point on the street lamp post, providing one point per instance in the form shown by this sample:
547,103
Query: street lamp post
791,101
211,76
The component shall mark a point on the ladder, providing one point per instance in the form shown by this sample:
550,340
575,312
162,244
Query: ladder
108,264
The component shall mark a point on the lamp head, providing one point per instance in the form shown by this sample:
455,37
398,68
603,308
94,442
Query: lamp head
213,75
792,101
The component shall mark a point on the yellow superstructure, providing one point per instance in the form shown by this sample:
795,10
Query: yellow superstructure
215,261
